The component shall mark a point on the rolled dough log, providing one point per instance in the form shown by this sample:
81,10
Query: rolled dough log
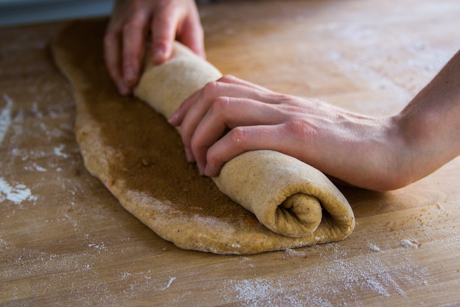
285,194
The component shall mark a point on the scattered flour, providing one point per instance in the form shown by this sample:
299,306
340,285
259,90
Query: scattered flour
15,194
35,168
145,281
273,292
98,247
295,253
5,117
39,168
409,243
171,279
58,151
36,111
335,279
373,247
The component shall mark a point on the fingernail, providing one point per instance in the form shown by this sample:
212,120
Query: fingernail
130,76
158,56
173,117
200,168
123,89
209,171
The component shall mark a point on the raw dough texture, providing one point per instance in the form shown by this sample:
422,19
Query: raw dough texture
140,159
284,193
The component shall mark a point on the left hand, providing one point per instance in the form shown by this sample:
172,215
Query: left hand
126,36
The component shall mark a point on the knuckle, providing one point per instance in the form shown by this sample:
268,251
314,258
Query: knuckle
239,136
210,88
301,129
210,91
219,105
186,140
212,159
282,98
131,26
196,144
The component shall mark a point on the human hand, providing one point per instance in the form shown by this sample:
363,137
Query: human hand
127,32
232,116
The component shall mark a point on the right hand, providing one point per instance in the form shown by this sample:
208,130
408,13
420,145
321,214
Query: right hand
127,32
232,116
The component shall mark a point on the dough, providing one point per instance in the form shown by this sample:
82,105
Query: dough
284,193
140,159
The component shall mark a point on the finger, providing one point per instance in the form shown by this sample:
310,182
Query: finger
112,56
210,92
240,140
178,116
227,113
164,28
234,80
134,36
191,35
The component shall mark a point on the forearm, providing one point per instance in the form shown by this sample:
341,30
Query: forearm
430,124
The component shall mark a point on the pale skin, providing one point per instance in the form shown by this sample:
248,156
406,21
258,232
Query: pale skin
134,22
232,116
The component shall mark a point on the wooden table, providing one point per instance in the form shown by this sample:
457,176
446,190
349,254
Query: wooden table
65,240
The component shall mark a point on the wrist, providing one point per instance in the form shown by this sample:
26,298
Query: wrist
401,153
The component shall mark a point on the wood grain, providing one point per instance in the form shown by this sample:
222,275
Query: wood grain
65,240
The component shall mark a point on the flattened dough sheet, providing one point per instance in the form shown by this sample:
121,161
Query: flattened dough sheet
140,159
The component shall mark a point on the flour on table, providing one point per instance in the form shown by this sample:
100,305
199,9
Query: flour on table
294,253
35,167
58,151
16,194
384,274
407,243
171,279
5,117
373,247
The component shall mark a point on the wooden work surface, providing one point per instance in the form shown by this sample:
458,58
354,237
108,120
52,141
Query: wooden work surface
65,240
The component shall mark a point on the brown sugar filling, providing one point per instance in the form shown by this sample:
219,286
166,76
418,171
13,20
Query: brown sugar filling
152,155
